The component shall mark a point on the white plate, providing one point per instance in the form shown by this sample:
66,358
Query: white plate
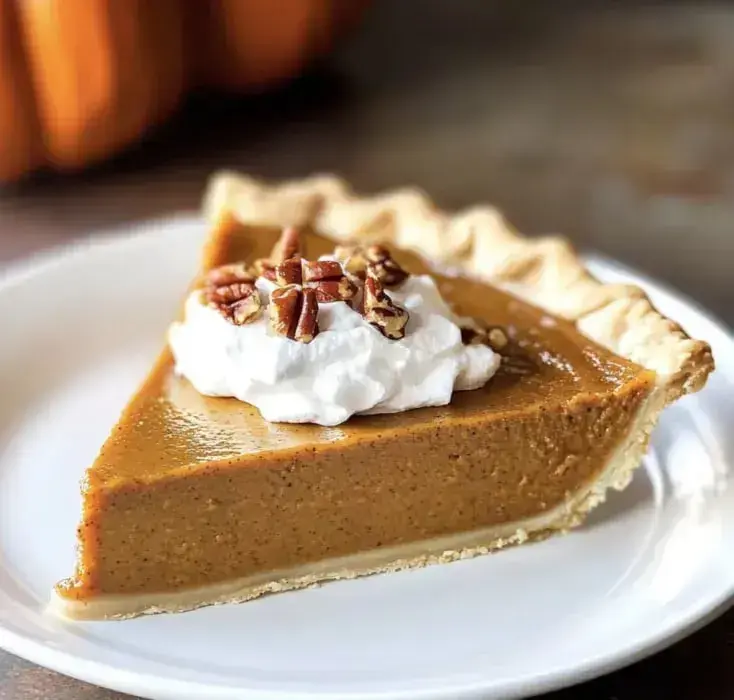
77,333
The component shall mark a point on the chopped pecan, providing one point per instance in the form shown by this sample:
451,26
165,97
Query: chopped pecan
352,259
356,260
231,291
497,338
513,360
262,267
289,272
245,310
474,333
380,310
228,274
387,270
327,279
284,310
321,270
294,313
288,246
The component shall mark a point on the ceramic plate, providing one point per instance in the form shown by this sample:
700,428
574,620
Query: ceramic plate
79,330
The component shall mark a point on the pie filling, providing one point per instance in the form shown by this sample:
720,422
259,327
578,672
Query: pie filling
441,550
192,493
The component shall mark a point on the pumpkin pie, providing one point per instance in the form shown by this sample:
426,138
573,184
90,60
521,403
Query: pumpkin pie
195,500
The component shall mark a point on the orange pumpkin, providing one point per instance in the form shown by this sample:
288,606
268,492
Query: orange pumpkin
80,79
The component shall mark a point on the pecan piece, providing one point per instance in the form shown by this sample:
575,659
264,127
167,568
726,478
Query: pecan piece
474,333
228,274
287,247
245,310
294,313
262,267
352,259
497,338
238,302
289,272
386,269
379,309
229,293
230,289
327,279
356,260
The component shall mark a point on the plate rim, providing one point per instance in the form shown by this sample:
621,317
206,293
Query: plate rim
147,684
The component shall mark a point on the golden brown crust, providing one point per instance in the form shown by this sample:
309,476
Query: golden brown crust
546,272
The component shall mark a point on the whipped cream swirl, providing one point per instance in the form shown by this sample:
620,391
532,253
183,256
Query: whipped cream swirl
349,368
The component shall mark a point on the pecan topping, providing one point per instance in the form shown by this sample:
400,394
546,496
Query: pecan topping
294,313
473,333
245,310
328,281
325,277
289,272
386,269
230,293
231,290
353,259
287,247
379,310
356,260
498,339
228,274
262,267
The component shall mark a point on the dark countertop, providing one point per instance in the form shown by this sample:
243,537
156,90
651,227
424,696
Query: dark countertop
608,121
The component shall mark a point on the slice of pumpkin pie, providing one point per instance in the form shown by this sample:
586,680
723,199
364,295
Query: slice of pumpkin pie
358,386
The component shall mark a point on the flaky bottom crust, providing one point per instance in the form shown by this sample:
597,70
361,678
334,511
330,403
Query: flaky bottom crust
617,474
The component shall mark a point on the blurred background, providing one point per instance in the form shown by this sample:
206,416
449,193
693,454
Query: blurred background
609,121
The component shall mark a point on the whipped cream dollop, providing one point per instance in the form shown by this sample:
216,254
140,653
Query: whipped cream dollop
348,368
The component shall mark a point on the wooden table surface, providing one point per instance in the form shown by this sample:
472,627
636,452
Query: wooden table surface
611,122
